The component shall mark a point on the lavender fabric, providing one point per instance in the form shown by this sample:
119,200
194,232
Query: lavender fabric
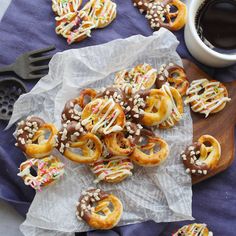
29,25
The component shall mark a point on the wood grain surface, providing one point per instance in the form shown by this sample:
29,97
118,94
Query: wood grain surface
220,125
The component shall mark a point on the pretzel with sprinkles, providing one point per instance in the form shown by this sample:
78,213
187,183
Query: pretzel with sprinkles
48,170
103,116
174,75
194,230
99,209
31,137
177,107
74,26
207,96
170,14
113,169
101,12
202,156
61,7
142,76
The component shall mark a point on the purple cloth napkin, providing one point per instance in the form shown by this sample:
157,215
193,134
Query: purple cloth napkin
29,25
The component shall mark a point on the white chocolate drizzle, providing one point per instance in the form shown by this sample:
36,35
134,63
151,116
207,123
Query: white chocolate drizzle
210,99
115,167
107,120
175,114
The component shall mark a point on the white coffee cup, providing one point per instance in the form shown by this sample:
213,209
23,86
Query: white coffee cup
195,45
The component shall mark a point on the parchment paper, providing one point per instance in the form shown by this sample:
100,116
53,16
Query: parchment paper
162,194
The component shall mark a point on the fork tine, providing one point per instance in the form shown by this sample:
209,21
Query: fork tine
37,68
39,59
35,52
38,76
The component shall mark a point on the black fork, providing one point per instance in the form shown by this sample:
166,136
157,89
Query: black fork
26,66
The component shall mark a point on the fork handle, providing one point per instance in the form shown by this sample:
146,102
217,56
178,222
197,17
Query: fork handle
8,68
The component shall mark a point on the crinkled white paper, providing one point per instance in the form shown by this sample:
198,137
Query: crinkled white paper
158,193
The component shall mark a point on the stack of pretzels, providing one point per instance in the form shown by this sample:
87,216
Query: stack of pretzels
76,24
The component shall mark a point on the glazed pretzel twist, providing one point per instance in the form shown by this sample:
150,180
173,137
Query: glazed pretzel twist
170,14
173,75
113,169
177,107
49,169
146,155
200,158
118,144
206,96
103,116
99,209
31,137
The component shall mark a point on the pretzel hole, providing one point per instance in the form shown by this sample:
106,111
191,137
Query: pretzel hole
43,137
201,91
174,75
102,211
87,99
33,171
173,9
143,141
75,150
207,144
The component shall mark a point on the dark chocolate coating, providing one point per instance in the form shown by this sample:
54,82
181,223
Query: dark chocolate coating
87,201
194,166
26,133
66,111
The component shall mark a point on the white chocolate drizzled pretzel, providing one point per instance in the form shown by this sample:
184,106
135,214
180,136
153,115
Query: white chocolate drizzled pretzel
206,96
61,7
194,230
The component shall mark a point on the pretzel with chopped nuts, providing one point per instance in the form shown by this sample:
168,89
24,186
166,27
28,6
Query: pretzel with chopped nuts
171,14
31,137
202,156
150,107
174,75
72,137
99,209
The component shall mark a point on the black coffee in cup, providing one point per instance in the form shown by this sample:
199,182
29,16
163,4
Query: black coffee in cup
216,25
